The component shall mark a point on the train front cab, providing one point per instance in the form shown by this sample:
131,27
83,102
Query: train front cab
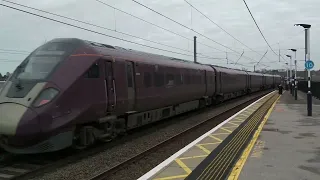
26,98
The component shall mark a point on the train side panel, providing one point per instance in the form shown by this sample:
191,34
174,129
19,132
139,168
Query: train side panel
211,83
231,82
268,80
256,81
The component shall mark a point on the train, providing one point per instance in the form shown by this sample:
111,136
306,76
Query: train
72,93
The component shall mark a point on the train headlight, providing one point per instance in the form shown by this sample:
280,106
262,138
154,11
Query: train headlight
45,97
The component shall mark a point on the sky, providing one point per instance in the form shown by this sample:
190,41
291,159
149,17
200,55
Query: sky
21,33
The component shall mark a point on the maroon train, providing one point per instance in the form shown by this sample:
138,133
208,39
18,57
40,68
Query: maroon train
72,92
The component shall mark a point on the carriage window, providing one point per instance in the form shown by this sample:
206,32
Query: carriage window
158,79
147,79
194,79
178,79
129,74
188,79
199,80
93,72
169,79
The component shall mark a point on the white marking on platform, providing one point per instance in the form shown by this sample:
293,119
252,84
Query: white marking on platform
165,163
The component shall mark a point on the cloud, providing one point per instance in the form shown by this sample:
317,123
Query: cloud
20,31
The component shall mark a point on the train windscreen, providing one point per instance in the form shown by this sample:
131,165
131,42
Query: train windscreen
40,63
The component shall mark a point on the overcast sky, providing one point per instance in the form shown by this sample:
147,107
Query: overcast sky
23,32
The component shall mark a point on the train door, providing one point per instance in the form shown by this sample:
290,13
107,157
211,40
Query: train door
130,85
110,85
250,82
206,82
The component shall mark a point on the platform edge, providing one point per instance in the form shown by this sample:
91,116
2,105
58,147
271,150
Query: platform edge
165,163
235,173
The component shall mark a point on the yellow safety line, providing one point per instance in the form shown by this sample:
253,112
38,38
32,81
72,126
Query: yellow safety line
203,149
239,118
241,142
213,137
172,177
226,130
247,113
237,121
243,115
222,159
217,134
193,157
204,144
235,142
251,109
184,166
234,175
233,123
229,126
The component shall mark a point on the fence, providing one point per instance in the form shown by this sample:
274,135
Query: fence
315,88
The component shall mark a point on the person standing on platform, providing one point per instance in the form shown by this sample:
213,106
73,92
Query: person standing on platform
280,88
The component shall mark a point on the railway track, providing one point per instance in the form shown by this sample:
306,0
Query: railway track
123,166
19,166
30,166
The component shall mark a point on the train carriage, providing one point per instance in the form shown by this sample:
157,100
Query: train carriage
71,92
255,81
230,82
268,81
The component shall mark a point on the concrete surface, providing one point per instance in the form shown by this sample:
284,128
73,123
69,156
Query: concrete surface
289,144
1,83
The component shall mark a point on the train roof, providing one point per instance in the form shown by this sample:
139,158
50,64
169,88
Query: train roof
156,59
269,75
228,70
254,73
140,56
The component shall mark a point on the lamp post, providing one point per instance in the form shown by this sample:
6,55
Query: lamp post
295,74
290,74
287,77
307,57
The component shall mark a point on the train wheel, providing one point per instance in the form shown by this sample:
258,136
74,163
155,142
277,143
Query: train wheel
83,138
109,134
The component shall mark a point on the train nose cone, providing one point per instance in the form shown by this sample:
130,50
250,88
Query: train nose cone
16,119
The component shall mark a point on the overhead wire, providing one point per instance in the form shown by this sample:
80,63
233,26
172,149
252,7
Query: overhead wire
187,27
89,29
109,29
222,29
260,30
154,24
208,57
97,26
87,23
259,27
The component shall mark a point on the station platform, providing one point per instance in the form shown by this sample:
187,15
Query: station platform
214,153
288,146
273,138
